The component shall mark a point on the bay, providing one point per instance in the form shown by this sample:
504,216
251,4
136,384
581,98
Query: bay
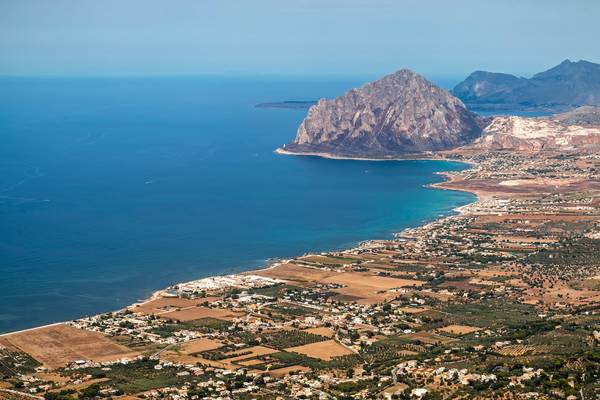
112,188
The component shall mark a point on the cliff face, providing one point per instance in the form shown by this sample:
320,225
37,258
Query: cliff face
565,86
400,113
577,130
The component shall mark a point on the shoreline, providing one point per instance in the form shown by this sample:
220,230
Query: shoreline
448,185
431,156
438,185
413,157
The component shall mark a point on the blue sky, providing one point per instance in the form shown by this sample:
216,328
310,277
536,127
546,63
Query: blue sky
293,37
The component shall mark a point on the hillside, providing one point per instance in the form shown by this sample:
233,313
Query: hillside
563,87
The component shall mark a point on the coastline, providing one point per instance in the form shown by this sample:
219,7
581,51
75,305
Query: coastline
450,178
429,156
448,184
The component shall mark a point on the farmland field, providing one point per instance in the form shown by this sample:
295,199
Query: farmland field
57,345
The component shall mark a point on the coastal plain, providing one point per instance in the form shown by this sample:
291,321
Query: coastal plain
473,305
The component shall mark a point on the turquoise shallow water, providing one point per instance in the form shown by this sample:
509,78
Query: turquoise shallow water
113,188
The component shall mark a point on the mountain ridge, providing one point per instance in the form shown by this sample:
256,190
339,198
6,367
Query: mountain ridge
563,87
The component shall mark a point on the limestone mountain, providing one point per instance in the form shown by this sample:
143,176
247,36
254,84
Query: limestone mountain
400,113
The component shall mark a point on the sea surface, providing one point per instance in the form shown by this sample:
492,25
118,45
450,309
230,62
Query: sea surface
113,188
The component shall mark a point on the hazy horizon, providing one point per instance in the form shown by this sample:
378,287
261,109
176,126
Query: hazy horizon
300,38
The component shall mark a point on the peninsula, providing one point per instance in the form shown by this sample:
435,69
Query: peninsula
398,114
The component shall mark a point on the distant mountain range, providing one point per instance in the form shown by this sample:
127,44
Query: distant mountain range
563,87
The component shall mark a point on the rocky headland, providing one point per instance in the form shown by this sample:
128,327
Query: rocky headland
398,114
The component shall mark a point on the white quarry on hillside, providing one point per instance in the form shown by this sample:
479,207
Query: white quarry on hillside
579,129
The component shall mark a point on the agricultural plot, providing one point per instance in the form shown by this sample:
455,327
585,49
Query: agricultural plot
295,273
425,337
57,345
280,372
291,310
521,350
249,363
207,324
286,359
198,312
200,345
162,305
369,289
413,310
184,359
249,353
560,342
491,313
375,282
276,291
292,338
322,331
459,330
14,362
138,376
325,350
389,349
347,298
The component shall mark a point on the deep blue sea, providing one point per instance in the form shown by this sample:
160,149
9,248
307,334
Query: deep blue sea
113,188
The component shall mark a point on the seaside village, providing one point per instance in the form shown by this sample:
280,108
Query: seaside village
500,300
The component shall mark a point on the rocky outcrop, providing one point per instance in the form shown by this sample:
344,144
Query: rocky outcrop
577,130
563,87
400,113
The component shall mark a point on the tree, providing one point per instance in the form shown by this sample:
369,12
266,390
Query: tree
91,391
